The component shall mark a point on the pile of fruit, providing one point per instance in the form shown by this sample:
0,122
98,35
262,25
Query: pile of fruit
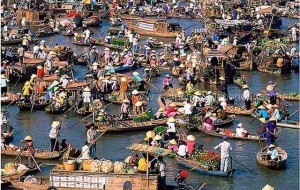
9,168
208,158
145,116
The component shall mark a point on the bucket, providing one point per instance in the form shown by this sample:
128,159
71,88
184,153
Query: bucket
86,164
279,62
40,71
70,165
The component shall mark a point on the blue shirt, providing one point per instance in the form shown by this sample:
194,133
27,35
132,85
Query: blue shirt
263,113
138,78
271,126
276,114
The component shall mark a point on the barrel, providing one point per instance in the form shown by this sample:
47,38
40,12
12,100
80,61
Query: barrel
279,62
40,71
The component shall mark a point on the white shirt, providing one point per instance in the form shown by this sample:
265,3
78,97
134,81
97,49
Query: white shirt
48,64
187,109
85,152
239,131
171,128
53,133
246,94
64,82
224,105
182,150
86,97
293,30
87,33
225,148
36,49
130,36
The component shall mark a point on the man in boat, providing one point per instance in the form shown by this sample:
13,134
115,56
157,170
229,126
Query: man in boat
91,136
225,149
86,98
26,91
294,33
209,99
48,66
246,97
240,131
171,131
4,82
53,135
223,86
138,80
29,146
272,153
271,130
161,166
275,112
21,52
85,151
271,93
221,113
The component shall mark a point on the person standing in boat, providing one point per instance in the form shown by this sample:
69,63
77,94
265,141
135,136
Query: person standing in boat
21,52
29,147
4,82
225,149
107,55
86,98
271,130
85,151
53,135
91,139
246,97
271,93
26,91
125,109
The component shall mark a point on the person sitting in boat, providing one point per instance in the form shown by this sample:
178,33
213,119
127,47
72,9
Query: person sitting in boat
171,130
276,113
125,109
62,97
101,116
176,62
182,149
272,153
132,160
157,141
138,81
207,122
223,103
258,100
262,112
140,108
167,83
221,113
240,131
160,113
171,110
172,145
29,146
190,143
128,60
55,103
209,99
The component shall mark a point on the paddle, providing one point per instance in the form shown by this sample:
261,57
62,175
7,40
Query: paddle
293,113
283,140
18,155
36,163
65,113
152,85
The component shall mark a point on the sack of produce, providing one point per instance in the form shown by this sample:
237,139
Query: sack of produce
96,166
107,166
86,164
119,167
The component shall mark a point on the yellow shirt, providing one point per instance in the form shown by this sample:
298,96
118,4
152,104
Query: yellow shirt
189,87
142,165
24,42
26,89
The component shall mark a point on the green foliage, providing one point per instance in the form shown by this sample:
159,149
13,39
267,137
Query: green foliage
145,116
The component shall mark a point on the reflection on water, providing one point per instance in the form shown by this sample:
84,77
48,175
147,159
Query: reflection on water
113,147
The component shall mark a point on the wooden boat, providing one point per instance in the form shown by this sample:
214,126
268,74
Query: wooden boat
272,164
28,106
287,97
17,175
54,110
101,42
129,126
82,44
40,154
283,123
225,122
238,81
219,132
93,21
197,167
125,68
10,98
18,41
207,81
237,110
157,28
42,185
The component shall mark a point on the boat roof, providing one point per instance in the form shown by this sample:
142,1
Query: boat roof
149,149
231,22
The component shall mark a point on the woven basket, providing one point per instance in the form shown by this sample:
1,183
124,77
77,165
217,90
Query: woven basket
70,165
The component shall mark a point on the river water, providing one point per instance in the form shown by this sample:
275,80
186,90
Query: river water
113,146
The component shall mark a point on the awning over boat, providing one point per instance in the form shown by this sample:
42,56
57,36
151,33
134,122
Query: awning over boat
145,26
149,149
231,22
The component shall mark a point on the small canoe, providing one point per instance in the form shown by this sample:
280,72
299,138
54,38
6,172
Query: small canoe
129,126
225,122
272,164
28,106
40,154
238,81
57,110
237,110
82,44
197,167
17,41
218,132
126,68
42,185
287,97
283,123
206,81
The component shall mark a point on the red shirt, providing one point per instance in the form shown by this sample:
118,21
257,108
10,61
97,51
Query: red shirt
170,110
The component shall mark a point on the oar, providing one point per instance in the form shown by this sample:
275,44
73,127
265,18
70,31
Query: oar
152,85
18,155
293,113
283,139
36,163
64,114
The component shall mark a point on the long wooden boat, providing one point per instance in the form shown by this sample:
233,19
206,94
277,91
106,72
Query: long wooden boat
197,167
18,41
129,126
287,97
40,154
272,164
157,28
17,175
225,122
207,81
237,110
237,81
284,123
83,44
28,106
55,110
110,46
219,132
10,98
42,185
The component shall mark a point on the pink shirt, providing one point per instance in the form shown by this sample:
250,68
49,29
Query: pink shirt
173,147
190,146
166,80
107,54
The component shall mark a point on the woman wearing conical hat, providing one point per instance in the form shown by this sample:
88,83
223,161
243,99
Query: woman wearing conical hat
123,89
